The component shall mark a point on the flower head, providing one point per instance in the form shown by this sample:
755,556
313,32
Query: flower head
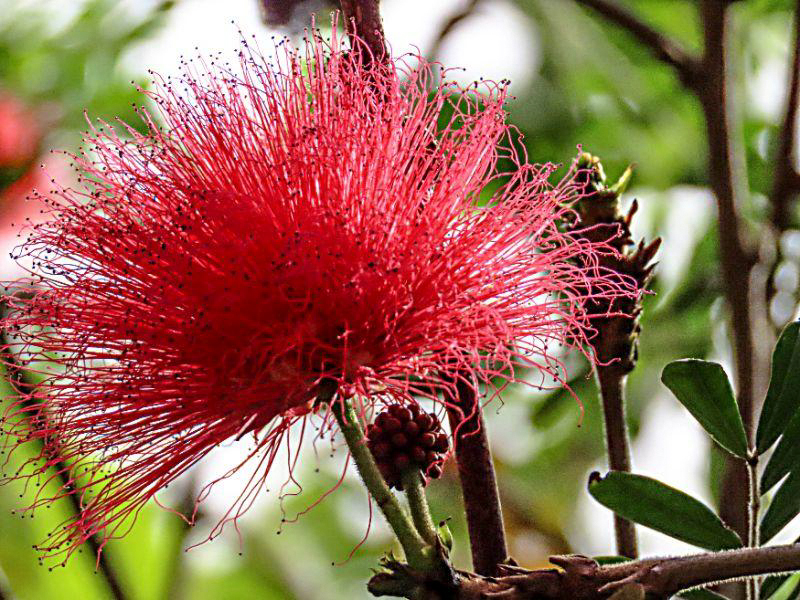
313,221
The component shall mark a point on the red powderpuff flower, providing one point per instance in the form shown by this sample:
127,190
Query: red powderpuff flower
294,223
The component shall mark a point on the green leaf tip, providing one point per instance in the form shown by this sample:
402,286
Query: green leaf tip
704,389
783,395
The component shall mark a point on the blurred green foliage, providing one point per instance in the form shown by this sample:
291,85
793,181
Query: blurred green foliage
595,86
68,68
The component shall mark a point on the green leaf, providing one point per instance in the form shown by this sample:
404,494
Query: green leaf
445,535
784,507
781,587
703,388
700,594
785,457
783,395
771,584
658,506
611,560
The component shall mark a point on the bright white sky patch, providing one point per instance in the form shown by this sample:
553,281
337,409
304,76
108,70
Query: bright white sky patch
494,43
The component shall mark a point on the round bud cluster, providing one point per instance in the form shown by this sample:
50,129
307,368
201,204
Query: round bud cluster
403,438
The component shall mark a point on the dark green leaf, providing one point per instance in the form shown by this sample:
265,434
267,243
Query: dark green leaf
780,587
703,388
656,505
771,584
611,560
784,507
785,457
700,594
783,395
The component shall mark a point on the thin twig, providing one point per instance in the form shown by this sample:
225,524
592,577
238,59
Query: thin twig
612,384
363,17
450,25
737,263
753,536
24,388
664,49
786,181
478,481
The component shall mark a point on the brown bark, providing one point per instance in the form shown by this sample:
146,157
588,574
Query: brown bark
581,578
612,384
363,18
478,481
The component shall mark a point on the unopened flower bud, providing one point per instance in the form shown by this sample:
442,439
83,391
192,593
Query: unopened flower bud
404,438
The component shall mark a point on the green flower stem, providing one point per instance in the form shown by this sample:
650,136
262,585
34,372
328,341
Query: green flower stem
412,484
418,553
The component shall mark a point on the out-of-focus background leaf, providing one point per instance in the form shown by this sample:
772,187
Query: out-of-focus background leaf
589,84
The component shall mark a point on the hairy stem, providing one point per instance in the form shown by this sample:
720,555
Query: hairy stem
416,549
478,481
420,513
612,392
707,78
675,574
753,537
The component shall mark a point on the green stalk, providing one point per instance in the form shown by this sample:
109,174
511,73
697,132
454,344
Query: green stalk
419,554
412,484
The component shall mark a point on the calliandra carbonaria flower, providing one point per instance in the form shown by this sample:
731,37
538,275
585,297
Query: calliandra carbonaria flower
313,220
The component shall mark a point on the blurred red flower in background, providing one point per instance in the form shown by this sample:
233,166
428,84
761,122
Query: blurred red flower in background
20,173
19,133
318,220
20,208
